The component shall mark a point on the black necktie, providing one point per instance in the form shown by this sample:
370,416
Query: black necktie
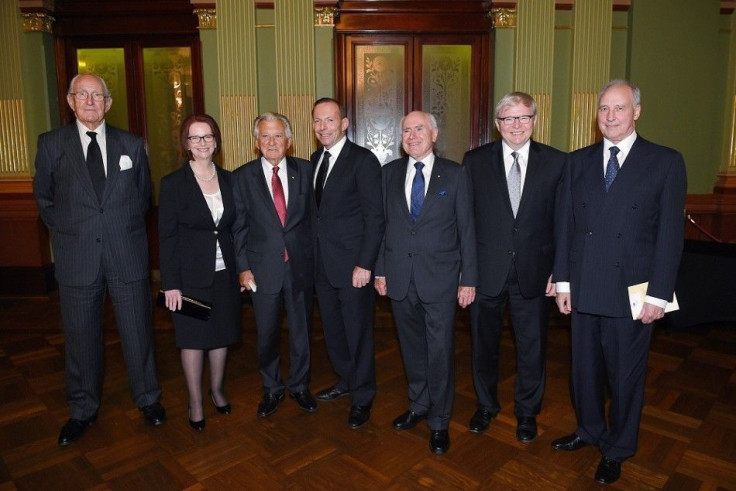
417,192
95,165
611,168
321,177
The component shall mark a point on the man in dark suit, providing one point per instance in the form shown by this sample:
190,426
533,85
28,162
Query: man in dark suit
516,184
350,225
93,188
623,205
274,254
427,263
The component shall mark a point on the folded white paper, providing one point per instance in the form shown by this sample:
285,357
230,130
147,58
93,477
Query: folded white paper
637,293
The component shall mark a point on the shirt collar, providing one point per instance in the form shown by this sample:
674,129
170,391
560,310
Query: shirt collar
523,151
624,147
100,130
267,167
336,149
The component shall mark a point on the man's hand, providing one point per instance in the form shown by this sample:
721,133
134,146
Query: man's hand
465,295
564,303
247,280
361,277
380,285
650,313
551,290
173,299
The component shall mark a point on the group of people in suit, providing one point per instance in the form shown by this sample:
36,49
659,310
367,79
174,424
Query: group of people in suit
516,223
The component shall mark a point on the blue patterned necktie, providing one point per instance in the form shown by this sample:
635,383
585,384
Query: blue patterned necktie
417,191
611,168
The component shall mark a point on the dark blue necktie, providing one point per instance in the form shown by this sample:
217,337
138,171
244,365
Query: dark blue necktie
611,168
417,191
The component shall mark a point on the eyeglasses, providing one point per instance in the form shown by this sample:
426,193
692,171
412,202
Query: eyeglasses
509,120
83,95
197,138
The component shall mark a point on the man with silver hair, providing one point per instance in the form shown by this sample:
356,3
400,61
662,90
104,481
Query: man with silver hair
427,265
623,226
516,189
274,254
93,188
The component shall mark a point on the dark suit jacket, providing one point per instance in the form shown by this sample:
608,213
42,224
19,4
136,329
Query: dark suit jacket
259,237
82,227
188,235
440,246
350,221
527,239
632,234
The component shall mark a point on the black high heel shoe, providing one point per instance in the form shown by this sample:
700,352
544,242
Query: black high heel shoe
226,409
197,425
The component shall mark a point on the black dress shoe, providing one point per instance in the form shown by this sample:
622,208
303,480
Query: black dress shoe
408,420
154,414
439,441
305,401
269,403
73,430
526,429
569,443
359,415
608,471
226,409
331,394
480,421
197,425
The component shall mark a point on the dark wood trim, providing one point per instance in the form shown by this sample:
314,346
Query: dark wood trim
716,213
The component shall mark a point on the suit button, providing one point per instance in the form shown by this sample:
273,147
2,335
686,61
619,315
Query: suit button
413,232
588,233
618,236
510,253
617,265
409,255
102,211
516,229
98,240
215,232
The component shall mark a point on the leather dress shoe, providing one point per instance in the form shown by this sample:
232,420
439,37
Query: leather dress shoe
480,421
305,401
331,394
196,425
439,441
154,414
73,430
226,409
408,420
569,443
269,403
359,415
526,429
608,471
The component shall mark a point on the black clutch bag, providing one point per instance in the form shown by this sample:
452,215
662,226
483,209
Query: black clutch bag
199,309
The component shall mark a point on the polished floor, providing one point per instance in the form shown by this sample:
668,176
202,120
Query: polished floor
687,439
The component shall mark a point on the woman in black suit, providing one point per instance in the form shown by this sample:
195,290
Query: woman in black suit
196,211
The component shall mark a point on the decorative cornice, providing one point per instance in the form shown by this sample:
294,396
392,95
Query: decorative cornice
37,22
325,16
207,18
503,18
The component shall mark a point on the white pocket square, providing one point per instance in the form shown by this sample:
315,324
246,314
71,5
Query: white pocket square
125,163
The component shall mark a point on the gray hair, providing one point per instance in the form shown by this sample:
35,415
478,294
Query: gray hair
619,81
269,116
513,99
100,79
429,116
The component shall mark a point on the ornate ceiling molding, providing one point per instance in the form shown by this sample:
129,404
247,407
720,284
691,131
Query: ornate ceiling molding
503,18
37,22
325,16
207,18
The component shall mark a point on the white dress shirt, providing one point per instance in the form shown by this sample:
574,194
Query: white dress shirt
508,161
334,152
268,173
411,171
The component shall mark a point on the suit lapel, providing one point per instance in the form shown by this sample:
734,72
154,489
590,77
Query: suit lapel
72,145
594,187
114,152
196,195
531,179
436,186
261,185
499,177
395,189
293,177
339,168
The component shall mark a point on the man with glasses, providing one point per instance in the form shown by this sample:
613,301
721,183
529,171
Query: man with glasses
516,186
92,186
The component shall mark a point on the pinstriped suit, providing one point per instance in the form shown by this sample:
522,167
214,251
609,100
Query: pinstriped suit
610,240
99,246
